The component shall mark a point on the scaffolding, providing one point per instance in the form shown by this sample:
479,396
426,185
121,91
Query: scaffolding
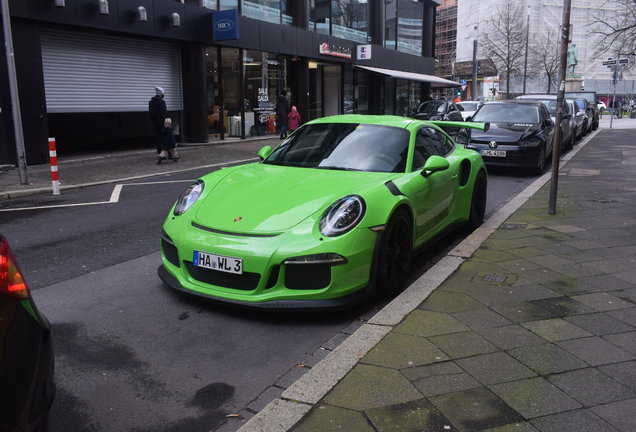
446,39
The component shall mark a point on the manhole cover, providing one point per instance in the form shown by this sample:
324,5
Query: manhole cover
495,278
629,162
512,226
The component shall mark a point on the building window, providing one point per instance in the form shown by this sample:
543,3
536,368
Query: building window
319,16
228,4
210,4
270,11
390,24
409,27
349,20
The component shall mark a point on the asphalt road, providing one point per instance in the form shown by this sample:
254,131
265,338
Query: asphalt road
134,355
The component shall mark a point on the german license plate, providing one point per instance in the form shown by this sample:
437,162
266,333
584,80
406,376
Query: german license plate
495,153
218,262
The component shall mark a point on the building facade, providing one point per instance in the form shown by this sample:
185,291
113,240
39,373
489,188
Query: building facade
87,68
544,15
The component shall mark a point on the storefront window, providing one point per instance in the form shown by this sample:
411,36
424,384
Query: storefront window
319,16
265,78
350,19
270,11
390,24
228,4
409,32
408,95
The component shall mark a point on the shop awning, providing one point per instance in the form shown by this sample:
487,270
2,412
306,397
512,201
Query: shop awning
436,82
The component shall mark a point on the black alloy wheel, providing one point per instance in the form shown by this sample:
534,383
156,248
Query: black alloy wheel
396,250
478,202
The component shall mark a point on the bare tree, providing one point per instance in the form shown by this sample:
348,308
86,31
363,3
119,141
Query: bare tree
615,25
545,56
504,40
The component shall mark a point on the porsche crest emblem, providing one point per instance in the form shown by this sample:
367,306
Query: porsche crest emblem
492,144
238,219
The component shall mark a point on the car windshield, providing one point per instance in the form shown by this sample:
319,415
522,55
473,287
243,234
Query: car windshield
507,113
581,104
344,146
467,106
434,106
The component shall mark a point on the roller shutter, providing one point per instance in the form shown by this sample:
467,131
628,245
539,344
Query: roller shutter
85,72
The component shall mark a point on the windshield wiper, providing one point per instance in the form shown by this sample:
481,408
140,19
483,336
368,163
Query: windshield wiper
339,168
279,163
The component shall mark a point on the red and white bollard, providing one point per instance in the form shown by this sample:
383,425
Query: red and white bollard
54,174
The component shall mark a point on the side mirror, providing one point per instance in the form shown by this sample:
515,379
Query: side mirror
470,118
548,122
264,152
434,164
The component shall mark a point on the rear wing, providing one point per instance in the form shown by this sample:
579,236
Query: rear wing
461,124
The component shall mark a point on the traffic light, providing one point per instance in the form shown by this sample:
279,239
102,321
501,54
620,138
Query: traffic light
614,77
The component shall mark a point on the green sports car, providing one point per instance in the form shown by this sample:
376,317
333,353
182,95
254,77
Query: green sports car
328,218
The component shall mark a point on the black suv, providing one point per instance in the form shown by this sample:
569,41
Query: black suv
590,96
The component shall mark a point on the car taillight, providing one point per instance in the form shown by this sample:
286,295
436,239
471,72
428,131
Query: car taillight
11,281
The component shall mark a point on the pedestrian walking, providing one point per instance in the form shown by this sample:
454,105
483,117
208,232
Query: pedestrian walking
293,119
168,143
158,114
282,111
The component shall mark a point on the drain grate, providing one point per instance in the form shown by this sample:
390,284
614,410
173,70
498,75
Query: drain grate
512,226
495,278
629,162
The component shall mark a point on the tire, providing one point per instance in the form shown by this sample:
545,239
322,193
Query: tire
570,144
478,202
396,250
541,165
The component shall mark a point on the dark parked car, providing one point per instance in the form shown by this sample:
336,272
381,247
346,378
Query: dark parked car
568,124
586,107
521,133
592,99
438,110
27,387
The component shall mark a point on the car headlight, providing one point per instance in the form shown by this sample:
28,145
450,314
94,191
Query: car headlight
342,216
530,142
436,118
189,197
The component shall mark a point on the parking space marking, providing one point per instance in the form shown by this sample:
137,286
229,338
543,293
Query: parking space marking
114,197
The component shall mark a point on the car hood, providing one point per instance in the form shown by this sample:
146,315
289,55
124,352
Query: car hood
504,132
269,198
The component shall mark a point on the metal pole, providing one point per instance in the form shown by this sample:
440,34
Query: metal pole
525,66
567,5
474,86
15,99
614,74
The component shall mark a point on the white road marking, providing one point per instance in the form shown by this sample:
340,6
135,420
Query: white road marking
114,197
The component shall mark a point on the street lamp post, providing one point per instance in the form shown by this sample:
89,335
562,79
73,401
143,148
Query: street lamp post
525,66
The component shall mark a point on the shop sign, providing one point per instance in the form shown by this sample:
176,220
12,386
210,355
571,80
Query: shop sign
364,52
225,25
336,51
